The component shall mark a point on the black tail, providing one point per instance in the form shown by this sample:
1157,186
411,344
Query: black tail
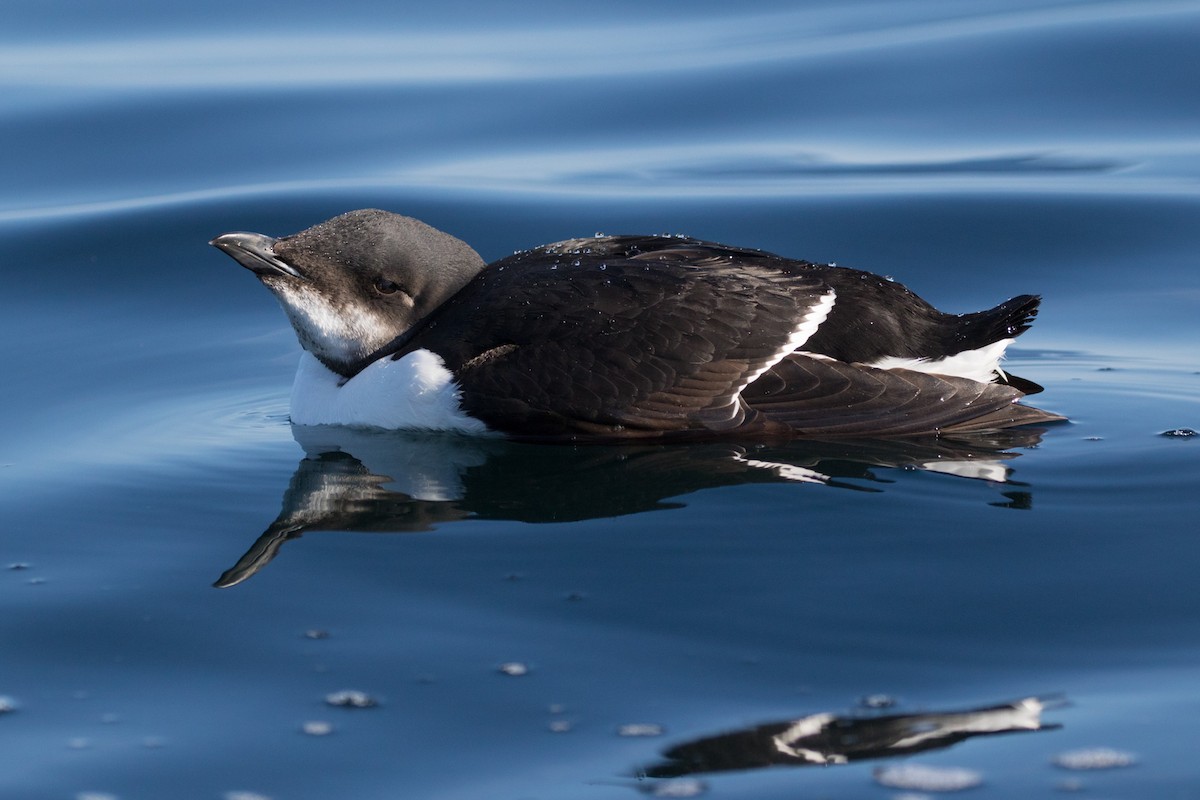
1010,318
1006,321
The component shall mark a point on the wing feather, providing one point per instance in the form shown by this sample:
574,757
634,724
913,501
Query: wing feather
824,397
657,336
601,342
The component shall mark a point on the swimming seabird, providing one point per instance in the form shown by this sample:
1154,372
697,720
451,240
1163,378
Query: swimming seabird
623,337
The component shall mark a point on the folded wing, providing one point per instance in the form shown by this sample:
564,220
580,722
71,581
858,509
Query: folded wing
824,397
629,344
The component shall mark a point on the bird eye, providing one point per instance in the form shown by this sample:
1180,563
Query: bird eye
384,286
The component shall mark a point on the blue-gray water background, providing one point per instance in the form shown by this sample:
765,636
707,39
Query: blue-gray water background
973,150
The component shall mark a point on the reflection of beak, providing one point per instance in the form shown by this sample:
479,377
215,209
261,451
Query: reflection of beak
255,252
257,556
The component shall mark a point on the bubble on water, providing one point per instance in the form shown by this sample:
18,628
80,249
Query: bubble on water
928,779
94,796
350,698
7,704
1179,433
679,787
514,668
878,701
79,743
241,795
1094,758
316,633
560,725
641,729
317,727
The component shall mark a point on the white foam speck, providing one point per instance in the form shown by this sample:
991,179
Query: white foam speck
1094,758
317,728
928,779
514,668
679,787
350,698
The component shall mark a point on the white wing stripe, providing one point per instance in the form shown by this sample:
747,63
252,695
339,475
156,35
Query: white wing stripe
807,326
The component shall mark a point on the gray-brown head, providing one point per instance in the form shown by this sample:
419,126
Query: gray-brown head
354,284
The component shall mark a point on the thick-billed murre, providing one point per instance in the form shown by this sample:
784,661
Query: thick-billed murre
617,337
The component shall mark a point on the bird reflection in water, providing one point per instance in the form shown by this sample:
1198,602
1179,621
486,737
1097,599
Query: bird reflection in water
389,481
823,739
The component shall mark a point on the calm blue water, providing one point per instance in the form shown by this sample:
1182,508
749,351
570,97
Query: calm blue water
974,150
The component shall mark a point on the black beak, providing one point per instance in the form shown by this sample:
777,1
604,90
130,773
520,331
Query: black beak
255,252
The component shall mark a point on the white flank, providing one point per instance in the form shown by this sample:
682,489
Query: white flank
416,392
981,365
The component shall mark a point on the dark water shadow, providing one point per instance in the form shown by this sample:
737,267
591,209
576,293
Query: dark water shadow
385,482
826,738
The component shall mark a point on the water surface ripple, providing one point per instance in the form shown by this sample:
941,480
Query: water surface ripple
534,621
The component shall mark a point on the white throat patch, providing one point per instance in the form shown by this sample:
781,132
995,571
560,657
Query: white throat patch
325,329
416,392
